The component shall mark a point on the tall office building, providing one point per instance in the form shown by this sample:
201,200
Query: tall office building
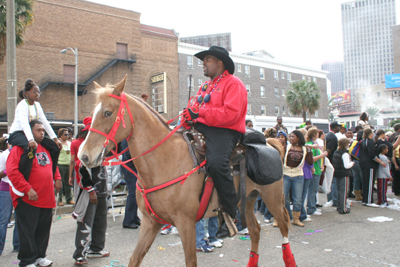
335,75
367,43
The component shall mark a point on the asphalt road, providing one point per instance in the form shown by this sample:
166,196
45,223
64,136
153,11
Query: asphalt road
345,240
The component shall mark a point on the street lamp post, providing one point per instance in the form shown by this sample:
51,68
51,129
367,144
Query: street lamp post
75,88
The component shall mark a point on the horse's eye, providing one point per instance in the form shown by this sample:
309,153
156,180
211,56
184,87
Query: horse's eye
107,114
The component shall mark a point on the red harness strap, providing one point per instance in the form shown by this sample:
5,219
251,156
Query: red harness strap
205,198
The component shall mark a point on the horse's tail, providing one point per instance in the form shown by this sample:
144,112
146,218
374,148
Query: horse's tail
273,142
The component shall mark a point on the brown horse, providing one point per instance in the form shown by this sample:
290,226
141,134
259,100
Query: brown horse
176,204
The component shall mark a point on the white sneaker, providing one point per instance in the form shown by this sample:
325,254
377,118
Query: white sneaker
244,231
43,262
31,265
165,230
317,213
268,221
174,231
318,209
215,244
220,240
307,220
373,205
383,205
328,204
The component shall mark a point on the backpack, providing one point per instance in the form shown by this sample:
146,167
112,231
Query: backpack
354,150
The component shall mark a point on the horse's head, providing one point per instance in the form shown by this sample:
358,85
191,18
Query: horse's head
106,113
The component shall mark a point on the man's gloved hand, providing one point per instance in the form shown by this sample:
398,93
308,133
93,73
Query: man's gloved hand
191,113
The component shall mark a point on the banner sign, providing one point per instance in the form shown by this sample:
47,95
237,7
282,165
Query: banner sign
340,98
392,80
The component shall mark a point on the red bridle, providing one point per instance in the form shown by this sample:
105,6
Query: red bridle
120,118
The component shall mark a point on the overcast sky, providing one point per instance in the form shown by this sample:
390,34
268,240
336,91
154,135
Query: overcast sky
301,32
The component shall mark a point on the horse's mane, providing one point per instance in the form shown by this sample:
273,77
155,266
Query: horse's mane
103,97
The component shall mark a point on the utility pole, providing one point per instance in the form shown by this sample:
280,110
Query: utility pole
11,63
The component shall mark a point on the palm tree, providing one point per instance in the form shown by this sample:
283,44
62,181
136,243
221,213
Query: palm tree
304,96
372,112
23,18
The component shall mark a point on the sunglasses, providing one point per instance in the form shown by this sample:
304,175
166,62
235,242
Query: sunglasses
66,134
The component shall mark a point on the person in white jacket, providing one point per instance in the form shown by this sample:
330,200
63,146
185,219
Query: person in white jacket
21,134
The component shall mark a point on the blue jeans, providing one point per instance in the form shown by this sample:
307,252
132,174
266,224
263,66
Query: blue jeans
357,174
312,194
295,186
212,231
131,206
306,190
333,195
6,208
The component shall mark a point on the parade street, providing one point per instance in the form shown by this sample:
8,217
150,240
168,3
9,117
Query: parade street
329,240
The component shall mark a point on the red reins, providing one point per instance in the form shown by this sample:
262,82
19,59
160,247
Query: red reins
111,136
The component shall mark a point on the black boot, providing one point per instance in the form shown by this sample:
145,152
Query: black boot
223,231
228,227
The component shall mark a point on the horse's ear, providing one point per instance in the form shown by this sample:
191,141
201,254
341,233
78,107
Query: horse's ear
119,88
96,85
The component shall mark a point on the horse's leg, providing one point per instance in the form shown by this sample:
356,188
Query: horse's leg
274,200
254,228
187,231
148,232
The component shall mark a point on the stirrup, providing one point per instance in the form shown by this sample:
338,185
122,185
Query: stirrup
230,224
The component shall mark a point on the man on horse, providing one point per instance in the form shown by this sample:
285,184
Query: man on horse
219,113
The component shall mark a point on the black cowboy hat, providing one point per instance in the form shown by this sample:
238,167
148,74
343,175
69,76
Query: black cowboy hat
220,53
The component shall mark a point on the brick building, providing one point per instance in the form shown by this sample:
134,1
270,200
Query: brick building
266,80
111,42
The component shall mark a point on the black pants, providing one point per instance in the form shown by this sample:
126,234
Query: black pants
368,173
396,179
91,232
19,139
342,184
220,143
33,232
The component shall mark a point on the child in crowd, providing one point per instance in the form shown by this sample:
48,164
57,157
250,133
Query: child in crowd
383,176
342,163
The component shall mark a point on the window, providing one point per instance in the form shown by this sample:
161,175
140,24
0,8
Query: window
315,79
199,81
248,89
190,62
248,109
363,96
379,94
276,110
283,93
239,67
316,115
199,62
276,75
262,91
282,75
303,77
69,73
262,109
283,110
122,51
247,71
262,73
309,79
276,93
289,76
190,83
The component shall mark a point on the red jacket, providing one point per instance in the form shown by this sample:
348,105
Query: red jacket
40,179
227,107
